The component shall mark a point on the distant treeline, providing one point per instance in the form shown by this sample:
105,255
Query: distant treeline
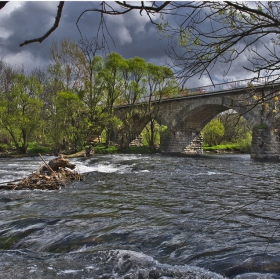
71,102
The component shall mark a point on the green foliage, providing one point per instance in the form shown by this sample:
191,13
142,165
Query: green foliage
237,135
196,42
74,100
20,108
70,124
163,24
213,132
245,143
34,148
224,147
151,135
185,37
101,148
243,146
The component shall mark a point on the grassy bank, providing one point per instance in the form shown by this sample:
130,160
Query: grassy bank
230,148
100,148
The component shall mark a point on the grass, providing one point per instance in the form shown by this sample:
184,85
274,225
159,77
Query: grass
35,148
100,148
231,147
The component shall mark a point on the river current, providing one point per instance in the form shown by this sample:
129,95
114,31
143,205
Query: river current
144,216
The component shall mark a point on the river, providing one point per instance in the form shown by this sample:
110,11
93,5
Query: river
144,216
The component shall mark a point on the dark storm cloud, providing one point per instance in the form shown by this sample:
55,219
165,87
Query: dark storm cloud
30,20
133,34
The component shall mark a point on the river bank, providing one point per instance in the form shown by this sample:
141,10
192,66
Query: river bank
102,149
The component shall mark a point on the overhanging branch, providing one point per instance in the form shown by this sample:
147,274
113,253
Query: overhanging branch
56,23
2,4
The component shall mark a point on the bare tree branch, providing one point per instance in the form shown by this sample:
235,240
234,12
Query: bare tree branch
2,4
56,23
217,33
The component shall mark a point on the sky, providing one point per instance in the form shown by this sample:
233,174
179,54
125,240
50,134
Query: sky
19,21
133,35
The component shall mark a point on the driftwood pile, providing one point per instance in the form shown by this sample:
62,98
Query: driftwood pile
50,176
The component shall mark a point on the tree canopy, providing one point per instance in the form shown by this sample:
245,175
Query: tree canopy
71,103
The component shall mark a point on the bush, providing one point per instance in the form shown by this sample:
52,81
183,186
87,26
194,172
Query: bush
35,148
100,148
213,132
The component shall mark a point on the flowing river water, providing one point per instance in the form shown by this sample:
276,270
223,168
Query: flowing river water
144,216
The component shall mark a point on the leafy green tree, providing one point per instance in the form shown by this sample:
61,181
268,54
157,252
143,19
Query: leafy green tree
70,123
213,132
113,81
236,127
76,67
135,82
146,134
134,77
20,108
113,84
92,93
160,83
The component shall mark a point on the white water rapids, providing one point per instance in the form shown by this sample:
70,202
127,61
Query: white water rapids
144,216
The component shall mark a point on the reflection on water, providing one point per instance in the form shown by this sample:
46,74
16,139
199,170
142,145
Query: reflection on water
144,216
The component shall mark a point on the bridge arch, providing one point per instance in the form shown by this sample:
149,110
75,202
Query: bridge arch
187,123
200,112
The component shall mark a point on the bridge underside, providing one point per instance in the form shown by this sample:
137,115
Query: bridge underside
186,135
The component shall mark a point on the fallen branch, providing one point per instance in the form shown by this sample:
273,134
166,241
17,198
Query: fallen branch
49,168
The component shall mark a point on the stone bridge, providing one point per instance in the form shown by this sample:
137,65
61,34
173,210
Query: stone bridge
186,116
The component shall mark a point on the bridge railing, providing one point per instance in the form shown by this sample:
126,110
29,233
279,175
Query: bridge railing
218,87
235,85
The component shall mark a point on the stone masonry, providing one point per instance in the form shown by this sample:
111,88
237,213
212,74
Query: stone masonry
186,116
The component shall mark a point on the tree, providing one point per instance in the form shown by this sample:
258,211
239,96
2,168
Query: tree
134,88
70,123
134,77
205,35
220,32
92,93
113,85
75,67
160,83
202,34
213,132
68,64
20,109
236,127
